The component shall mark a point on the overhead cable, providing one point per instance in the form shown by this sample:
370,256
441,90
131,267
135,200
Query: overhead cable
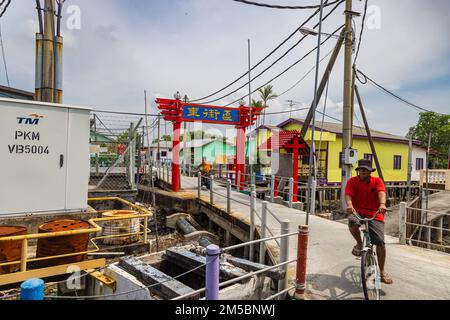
290,67
273,6
262,60
379,86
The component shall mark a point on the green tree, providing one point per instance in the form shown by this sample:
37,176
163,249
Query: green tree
439,127
266,94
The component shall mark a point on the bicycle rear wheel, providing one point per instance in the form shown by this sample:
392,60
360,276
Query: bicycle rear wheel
370,276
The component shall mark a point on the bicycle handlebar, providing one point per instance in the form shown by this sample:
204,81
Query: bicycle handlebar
365,219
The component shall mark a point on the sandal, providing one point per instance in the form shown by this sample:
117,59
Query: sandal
357,250
386,278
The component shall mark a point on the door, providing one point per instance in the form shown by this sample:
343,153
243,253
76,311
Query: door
33,148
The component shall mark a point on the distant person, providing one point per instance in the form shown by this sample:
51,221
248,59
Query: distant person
205,170
366,195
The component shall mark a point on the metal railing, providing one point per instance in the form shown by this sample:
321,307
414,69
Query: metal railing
423,227
94,228
282,265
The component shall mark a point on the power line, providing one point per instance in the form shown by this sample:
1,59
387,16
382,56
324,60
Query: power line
305,75
379,86
290,67
272,6
261,61
361,32
4,56
5,7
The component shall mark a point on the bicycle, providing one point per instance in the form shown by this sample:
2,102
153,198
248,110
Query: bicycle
370,272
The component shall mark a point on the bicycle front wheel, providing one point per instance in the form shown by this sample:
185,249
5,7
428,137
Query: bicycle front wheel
370,276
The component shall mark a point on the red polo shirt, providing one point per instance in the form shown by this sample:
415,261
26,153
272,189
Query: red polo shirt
365,196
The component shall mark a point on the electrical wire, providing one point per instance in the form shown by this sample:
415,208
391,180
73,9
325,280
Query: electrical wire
305,75
261,61
361,33
273,6
5,7
4,56
288,68
379,86
273,63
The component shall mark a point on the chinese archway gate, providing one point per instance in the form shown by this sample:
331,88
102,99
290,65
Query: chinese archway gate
177,111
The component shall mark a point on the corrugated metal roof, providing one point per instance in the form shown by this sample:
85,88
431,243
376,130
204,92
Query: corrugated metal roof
357,131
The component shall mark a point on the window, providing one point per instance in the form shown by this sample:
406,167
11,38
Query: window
151,153
368,156
340,159
397,162
164,154
419,163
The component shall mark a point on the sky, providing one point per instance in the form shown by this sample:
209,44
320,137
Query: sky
122,48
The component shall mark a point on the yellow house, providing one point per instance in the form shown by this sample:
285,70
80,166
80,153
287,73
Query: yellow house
392,150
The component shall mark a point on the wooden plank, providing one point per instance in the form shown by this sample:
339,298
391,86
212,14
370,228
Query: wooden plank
252,266
190,260
50,271
166,286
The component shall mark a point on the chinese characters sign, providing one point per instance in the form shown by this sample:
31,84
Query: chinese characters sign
210,114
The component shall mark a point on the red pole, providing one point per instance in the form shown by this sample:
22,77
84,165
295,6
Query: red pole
295,169
302,248
275,192
176,156
240,155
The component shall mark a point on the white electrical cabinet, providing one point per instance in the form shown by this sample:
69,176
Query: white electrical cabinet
44,157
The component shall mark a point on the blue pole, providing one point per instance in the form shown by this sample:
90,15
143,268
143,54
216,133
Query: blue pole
212,272
32,289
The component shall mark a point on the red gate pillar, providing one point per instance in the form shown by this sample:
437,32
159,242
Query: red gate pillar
240,155
295,169
176,156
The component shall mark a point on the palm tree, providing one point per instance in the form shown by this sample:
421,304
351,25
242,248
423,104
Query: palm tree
266,95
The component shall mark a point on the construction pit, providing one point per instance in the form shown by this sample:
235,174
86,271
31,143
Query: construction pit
121,262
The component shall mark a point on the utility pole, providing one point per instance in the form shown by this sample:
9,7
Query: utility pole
250,159
48,65
49,49
410,167
347,132
313,171
186,99
426,174
158,153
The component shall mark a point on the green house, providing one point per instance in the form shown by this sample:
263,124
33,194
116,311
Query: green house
215,151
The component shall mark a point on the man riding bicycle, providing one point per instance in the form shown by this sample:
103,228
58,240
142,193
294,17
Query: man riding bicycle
366,195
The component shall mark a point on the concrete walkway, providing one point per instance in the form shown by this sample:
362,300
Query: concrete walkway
333,273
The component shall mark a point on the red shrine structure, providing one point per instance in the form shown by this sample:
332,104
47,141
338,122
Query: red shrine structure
177,111
292,142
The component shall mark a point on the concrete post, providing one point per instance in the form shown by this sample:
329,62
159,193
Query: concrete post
272,188
284,254
302,249
212,272
402,223
32,289
252,224
211,187
262,245
199,185
291,191
238,184
228,196
440,225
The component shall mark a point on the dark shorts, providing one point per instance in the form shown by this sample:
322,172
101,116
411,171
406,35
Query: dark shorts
376,229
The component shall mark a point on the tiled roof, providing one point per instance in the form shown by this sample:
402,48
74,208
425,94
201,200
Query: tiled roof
284,138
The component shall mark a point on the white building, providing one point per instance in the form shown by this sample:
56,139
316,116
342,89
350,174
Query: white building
419,160
165,150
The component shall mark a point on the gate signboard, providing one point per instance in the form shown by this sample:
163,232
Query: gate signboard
218,115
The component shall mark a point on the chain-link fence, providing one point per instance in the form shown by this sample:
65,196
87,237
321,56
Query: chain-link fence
117,152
